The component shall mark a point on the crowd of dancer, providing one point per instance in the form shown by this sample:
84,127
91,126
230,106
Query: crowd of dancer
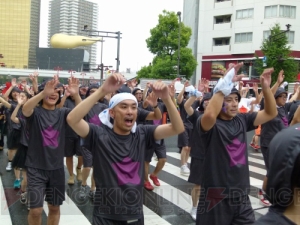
116,128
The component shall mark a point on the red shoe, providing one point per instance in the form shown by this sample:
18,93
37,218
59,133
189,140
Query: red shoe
256,147
262,199
252,145
148,186
155,180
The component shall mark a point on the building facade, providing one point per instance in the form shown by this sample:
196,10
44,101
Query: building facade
69,17
231,31
19,37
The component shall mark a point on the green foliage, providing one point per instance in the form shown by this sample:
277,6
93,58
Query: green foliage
163,43
278,53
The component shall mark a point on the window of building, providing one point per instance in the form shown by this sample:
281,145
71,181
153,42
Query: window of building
222,0
287,11
290,35
222,19
244,14
243,37
221,41
271,11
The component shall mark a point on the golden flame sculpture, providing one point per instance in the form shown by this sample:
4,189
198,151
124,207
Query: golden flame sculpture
69,41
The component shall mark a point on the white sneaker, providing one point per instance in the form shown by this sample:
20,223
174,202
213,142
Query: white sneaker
8,167
193,213
184,170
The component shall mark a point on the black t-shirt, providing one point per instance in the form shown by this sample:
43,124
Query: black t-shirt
47,143
2,113
271,128
293,108
12,125
197,150
93,114
226,157
24,131
104,101
184,115
141,115
274,216
119,162
70,133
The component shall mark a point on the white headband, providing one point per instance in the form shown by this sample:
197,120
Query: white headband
115,100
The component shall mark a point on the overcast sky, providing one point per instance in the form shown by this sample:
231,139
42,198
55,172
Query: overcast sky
133,18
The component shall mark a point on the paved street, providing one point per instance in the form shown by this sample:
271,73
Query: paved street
168,204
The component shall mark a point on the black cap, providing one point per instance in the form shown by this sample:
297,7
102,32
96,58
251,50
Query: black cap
235,91
279,92
206,97
124,89
92,86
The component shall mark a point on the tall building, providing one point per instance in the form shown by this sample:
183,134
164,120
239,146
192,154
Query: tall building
69,17
231,31
19,34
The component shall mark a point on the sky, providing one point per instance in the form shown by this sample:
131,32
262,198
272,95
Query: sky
133,18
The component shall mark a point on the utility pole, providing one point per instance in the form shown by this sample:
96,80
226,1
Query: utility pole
178,53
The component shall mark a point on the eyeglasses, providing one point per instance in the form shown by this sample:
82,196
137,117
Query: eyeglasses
139,93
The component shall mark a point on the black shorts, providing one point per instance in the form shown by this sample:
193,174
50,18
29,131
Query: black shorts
226,211
20,157
87,157
196,171
265,153
13,139
159,149
72,147
97,220
184,138
48,184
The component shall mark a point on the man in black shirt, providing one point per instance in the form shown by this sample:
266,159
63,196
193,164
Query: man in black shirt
45,155
118,150
222,130
283,183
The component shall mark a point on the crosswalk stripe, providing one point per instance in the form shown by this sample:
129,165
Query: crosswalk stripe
259,161
4,214
151,218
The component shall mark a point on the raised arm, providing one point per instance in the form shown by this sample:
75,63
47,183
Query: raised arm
152,101
280,79
13,116
176,125
5,103
49,89
75,117
296,118
13,84
188,105
214,107
257,98
180,95
270,111
34,79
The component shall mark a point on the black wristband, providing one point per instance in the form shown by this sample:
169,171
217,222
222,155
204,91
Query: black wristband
154,107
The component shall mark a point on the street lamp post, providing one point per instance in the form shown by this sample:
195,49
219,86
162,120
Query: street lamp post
106,34
178,54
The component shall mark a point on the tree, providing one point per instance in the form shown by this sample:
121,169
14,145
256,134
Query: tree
278,54
163,43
